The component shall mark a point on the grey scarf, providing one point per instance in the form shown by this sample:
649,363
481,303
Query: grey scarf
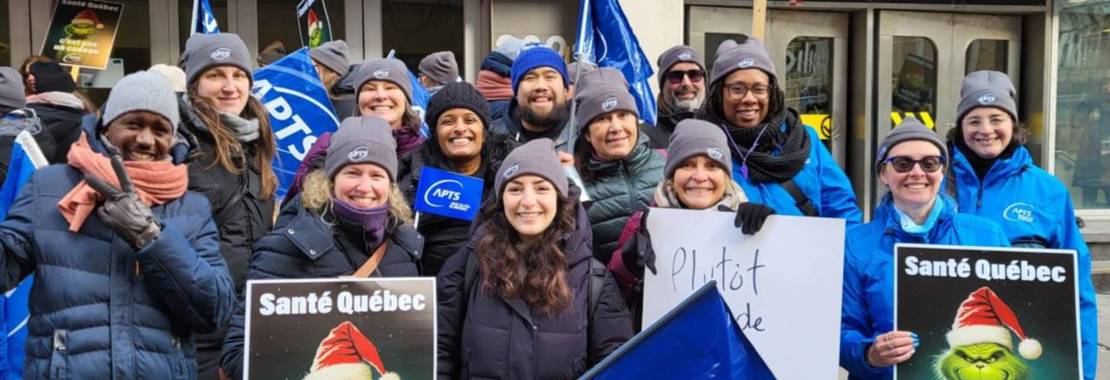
245,130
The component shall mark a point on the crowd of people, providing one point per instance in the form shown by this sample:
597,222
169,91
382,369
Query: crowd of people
162,203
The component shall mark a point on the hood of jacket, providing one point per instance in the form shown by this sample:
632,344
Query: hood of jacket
892,221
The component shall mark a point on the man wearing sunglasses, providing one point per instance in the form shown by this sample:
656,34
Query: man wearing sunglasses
681,92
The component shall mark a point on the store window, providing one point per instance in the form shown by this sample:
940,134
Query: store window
714,40
914,79
185,17
1083,101
416,28
809,82
5,34
987,55
277,22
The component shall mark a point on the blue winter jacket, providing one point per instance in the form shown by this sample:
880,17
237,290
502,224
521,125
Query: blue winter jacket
1034,209
101,310
867,308
821,180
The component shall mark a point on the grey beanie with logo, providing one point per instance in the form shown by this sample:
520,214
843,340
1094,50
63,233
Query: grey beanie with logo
387,69
675,55
142,91
11,90
573,67
537,157
693,137
909,129
987,88
440,67
204,51
333,55
601,91
732,56
359,140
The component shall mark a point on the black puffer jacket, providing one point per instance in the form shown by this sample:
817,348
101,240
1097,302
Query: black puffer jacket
482,336
445,236
302,245
617,189
660,134
64,123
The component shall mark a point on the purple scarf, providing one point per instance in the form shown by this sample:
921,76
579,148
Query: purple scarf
408,139
371,220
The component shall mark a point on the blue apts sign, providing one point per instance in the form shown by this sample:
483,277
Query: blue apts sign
448,194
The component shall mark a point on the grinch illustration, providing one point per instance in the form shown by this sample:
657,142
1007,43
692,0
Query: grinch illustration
85,24
980,346
315,29
347,354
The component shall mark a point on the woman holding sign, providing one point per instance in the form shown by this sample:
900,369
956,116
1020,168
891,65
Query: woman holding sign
231,163
618,168
525,299
993,176
459,117
350,219
911,163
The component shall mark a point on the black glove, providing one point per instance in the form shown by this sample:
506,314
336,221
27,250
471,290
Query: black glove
123,211
646,253
750,217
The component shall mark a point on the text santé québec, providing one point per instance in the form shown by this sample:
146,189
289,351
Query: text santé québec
345,302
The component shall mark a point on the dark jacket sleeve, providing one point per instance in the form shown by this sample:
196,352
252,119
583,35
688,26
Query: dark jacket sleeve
15,237
451,294
191,276
611,325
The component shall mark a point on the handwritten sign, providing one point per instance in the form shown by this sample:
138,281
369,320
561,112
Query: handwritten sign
782,284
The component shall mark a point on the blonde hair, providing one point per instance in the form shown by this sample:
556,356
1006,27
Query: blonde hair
317,195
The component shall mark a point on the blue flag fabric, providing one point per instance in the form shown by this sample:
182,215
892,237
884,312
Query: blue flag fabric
697,340
14,302
448,194
204,19
299,110
605,37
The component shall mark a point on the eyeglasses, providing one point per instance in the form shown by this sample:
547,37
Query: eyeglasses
903,164
675,77
737,90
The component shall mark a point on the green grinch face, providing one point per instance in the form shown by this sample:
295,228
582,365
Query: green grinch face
983,361
81,29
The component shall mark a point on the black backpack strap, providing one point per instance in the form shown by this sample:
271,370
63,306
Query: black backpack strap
800,198
599,271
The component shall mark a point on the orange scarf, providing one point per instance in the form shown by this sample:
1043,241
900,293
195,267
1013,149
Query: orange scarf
157,182
493,86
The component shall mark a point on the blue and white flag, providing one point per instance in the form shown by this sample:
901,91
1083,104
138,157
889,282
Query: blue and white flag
26,158
448,194
605,37
299,109
697,340
204,19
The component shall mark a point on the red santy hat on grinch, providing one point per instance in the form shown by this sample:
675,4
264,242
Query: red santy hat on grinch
346,353
312,18
88,14
985,318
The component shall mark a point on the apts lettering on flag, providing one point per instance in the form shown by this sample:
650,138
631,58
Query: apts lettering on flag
204,19
299,110
605,37
448,194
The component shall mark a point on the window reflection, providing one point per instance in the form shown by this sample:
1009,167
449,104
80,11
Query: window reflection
914,79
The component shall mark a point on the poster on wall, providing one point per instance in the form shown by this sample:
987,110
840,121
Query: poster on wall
82,33
339,328
313,23
760,277
988,313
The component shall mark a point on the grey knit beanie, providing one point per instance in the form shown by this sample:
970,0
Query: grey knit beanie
987,88
11,90
387,69
675,55
693,137
732,56
909,129
362,139
601,91
440,67
142,91
537,157
172,74
510,46
203,51
573,67
332,55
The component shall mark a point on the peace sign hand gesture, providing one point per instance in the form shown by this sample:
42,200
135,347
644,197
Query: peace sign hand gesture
123,210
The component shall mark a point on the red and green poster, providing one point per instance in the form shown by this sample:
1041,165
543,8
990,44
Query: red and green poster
82,32
313,23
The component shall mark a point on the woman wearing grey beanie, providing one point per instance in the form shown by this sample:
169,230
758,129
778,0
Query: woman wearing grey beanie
231,163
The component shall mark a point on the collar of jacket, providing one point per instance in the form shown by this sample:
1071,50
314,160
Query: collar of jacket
1018,162
892,223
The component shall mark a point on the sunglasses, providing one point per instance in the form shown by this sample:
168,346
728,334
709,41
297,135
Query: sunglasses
675,77
903,164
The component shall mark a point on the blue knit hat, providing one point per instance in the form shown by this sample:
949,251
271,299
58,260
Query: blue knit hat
537,55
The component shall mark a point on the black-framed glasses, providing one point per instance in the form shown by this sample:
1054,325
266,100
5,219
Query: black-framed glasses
739,90
903,164
675,76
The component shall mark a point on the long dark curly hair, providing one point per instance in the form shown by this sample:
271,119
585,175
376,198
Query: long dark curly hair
536,272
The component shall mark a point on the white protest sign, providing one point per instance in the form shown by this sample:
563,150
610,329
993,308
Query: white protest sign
783,284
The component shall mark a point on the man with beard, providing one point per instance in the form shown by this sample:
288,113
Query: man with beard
541,110
681,92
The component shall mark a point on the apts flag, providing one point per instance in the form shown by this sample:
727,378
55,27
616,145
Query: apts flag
26,158
697,340
606,38
204,19
299,109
